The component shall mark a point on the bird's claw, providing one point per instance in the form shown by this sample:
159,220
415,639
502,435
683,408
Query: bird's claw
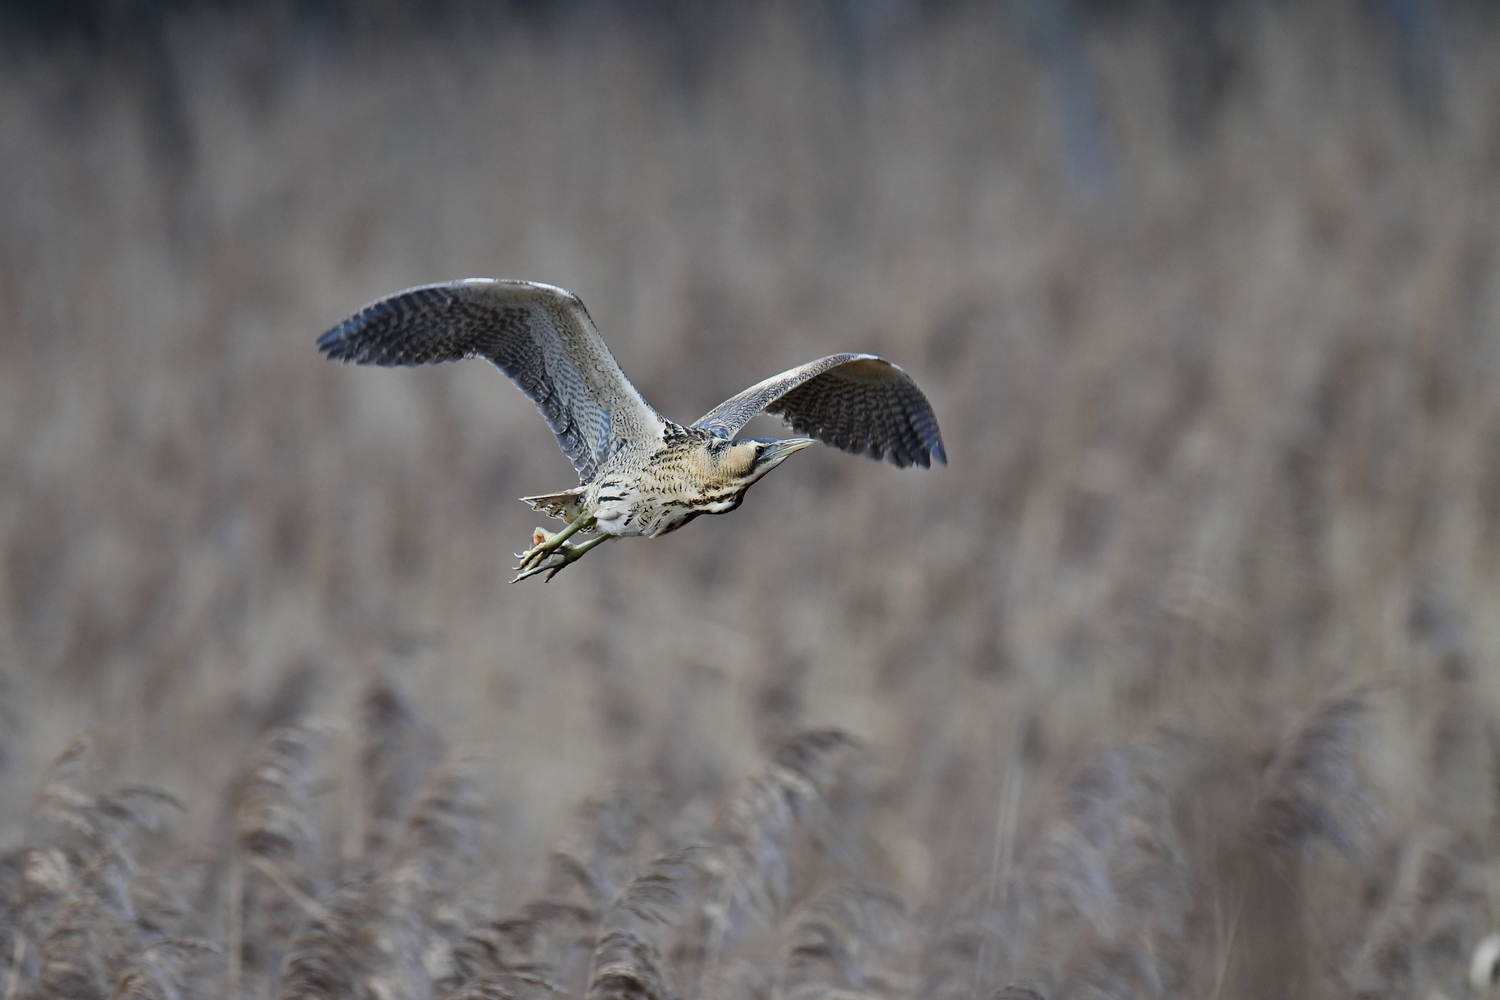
551,551
548,567
543,560
544,543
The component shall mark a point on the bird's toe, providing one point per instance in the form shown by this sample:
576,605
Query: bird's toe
548,562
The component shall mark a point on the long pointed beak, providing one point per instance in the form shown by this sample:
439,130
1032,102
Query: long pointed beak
783,450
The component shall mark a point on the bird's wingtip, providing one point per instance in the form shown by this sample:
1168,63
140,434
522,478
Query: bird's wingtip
337,345
328,343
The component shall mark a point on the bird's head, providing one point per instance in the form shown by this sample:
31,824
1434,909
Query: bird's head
740,463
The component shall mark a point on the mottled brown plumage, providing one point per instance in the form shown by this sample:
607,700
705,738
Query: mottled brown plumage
639,473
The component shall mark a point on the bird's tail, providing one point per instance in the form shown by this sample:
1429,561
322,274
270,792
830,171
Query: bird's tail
564,505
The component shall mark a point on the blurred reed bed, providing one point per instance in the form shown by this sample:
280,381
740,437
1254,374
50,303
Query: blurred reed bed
1179,680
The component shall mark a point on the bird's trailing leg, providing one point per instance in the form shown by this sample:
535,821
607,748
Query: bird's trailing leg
545,543
562,555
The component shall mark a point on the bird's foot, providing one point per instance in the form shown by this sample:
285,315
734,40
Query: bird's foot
544,543
553,559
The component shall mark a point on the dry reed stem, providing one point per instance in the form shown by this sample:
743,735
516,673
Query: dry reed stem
274,820
85,948
397,753
553,936
310,906
640,933
1316,788
506,986
13,978
330,957
388,932
852,940
164,971
688,908
236,925
1434,913
61,773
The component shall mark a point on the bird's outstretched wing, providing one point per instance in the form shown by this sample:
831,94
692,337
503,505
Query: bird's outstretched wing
539,335
856,402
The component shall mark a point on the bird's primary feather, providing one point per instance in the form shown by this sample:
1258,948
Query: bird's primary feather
857,403
539,335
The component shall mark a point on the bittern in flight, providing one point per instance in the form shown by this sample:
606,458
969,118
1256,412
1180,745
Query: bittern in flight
639,473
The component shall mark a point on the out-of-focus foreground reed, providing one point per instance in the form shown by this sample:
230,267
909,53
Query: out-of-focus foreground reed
1180,680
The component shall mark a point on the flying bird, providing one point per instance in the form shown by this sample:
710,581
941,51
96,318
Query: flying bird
639,473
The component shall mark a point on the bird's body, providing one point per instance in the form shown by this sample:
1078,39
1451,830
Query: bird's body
690,474
640,473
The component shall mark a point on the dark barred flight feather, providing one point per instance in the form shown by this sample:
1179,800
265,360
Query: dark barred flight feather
539,335
542,337
858,403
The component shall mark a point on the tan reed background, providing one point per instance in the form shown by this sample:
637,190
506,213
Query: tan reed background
1181,679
